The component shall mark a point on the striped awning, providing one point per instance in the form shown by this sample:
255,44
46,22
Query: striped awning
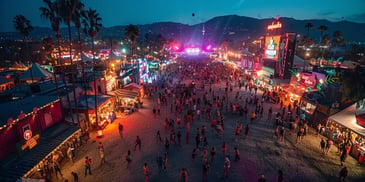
124,93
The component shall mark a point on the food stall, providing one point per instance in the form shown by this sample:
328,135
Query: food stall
343,125
125,99
105,108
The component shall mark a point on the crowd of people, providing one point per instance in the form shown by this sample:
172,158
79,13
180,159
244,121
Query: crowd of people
197,93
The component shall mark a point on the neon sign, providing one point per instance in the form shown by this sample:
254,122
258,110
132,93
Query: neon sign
272,47
273,26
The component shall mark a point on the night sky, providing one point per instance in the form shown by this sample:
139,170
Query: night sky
121,12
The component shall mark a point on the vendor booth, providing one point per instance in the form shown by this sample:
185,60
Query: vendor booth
105,108
125,99
343,125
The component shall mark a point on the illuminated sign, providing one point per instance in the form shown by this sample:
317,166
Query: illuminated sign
272,47
308,80
273,26
27,134
31,143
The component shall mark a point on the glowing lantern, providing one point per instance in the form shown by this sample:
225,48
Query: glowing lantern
100,133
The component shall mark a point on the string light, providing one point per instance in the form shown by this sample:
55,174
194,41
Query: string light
28,114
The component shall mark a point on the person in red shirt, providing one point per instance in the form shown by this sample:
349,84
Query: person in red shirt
236,154
183,175
87,165
146,172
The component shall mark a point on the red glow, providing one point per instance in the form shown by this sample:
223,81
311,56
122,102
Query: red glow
273,26
7,76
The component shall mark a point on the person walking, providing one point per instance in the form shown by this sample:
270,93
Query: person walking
158,137
212,154
343,174
87,165
75,176
194,153
197,140
183,175
102,157
238,131
227,165
57,169
70,154
165,162
167,144
205,170
329,143
282,133
205,156
146,172
154,112
120,126
323,146
128,158
138,143
236,154
343,156
100,146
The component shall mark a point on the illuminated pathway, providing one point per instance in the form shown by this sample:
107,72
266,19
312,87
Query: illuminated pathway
260,153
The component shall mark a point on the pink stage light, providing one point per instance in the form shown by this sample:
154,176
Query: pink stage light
209,47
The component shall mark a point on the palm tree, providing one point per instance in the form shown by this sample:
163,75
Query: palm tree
67,10
76,19
50,13
132,33
160,42
92,25
308,26
338,39
23,26
321,29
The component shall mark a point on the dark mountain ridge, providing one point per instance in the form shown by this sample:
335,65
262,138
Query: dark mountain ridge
230,27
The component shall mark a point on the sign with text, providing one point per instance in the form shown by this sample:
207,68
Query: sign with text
274,25
307,79
272,47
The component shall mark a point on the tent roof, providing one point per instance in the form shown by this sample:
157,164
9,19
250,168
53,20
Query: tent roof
49,140
124,93
37,73
12,109
347,118
17,65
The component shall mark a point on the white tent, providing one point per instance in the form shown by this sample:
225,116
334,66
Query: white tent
37,72
347,118
88,57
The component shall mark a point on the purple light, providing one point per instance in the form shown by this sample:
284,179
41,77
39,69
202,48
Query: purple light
209,47
177,47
